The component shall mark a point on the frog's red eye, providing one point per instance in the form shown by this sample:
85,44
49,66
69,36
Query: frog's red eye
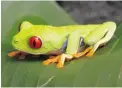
35,42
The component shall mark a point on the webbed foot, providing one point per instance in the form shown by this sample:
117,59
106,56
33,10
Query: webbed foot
77,55
21,55
51,60
13,53
90,53
60,59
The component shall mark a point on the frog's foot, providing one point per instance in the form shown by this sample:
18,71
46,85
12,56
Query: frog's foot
77,55
21,55
13,53
60,59
90,53
51,59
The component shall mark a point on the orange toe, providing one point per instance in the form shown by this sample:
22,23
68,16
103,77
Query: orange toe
82,53
51,60
60,65
13,53
78,55
46,62
89,54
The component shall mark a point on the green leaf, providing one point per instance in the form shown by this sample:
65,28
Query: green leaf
103,69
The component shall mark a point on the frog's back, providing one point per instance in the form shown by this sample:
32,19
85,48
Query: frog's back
67,30
84,29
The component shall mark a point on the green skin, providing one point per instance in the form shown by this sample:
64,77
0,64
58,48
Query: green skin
54,37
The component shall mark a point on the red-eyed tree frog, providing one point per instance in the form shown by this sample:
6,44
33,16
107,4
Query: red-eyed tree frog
66,42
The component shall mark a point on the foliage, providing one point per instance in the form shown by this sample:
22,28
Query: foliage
103,69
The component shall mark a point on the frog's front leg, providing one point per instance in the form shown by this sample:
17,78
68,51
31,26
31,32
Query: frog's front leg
13,53
21,55
51,59
60,59
72,48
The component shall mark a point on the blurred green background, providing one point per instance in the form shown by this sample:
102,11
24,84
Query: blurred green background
103,69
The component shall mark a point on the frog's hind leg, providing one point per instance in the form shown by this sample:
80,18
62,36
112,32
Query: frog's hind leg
108,35
98,37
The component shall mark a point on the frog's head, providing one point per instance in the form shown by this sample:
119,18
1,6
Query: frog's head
30,41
